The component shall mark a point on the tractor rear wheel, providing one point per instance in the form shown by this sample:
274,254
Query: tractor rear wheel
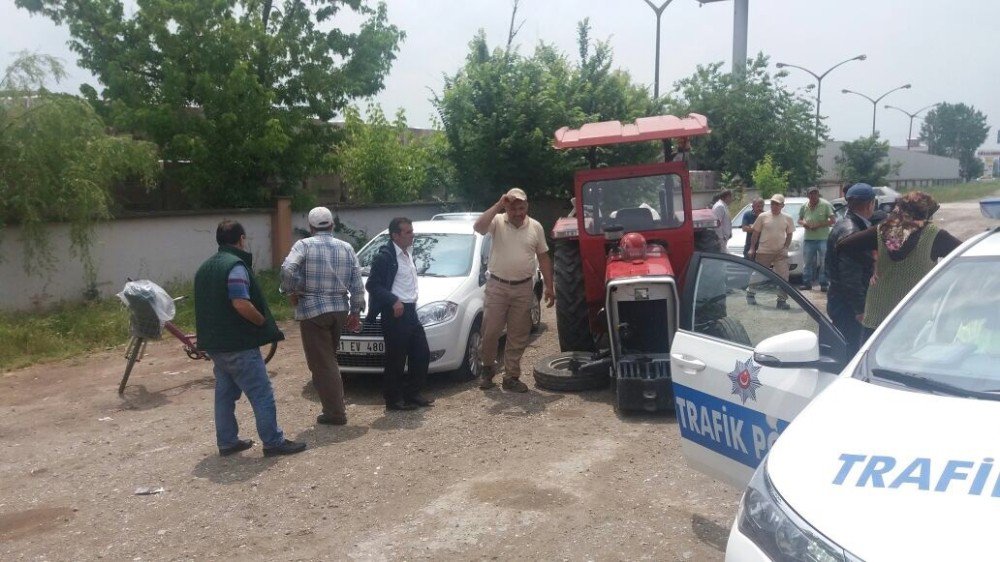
706,240
571,302
730,329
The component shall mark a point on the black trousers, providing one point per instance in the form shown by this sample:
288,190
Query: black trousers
842,316
405,347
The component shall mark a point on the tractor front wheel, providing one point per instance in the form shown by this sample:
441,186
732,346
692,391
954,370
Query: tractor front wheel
571,302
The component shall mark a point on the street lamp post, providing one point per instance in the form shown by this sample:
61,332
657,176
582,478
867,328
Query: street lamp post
909,135
819,92
876,100
656,73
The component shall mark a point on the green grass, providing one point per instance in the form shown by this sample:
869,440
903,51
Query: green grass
960,191
73,329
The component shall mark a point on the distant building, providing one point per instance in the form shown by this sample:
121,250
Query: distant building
991,161
917,169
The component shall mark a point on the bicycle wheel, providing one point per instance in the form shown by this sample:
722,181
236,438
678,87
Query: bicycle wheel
268,349
132,355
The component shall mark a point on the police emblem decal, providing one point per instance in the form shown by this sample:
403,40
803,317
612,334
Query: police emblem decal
744,379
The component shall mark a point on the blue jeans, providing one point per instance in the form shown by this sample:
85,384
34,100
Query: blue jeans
238,372
814,256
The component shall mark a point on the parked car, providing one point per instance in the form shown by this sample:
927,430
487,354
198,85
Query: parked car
884,195
456,216
889,455
792,206
451,273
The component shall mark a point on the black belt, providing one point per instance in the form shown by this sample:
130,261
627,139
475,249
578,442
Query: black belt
502,280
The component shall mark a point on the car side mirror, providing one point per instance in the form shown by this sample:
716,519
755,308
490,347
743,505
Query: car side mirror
798,349
482,274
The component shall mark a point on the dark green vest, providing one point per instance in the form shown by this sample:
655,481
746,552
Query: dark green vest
220,327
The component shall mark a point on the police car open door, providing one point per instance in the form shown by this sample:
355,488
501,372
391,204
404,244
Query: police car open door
743,364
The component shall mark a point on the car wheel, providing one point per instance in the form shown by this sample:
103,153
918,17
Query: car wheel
561,372
471,367
536,311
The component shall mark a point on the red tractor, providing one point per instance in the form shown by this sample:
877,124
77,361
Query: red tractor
618,258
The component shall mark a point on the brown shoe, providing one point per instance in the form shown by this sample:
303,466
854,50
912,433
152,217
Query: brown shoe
513,385
326,419
486,379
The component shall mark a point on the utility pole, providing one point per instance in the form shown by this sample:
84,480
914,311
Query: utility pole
876,100
741,16
656,72
909,135
819,94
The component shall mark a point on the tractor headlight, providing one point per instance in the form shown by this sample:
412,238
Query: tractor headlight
437,312
775,528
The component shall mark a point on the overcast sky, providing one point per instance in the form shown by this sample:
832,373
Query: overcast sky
945,49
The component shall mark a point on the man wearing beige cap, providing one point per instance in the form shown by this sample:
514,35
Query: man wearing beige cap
772,235
518,241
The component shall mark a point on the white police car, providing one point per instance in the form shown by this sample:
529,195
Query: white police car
896,453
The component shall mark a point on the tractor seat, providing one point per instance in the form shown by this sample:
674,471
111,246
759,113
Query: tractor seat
635,218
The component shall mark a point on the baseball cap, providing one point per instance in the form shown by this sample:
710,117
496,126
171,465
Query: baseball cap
517,193
813,189
320,217
778,198
861,191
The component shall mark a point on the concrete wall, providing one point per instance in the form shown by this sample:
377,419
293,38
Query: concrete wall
369,220
160,248
918,168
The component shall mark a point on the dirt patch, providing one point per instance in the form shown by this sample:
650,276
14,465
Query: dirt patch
29,522
520,495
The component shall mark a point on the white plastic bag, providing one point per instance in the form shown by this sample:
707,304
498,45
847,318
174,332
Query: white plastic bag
150,306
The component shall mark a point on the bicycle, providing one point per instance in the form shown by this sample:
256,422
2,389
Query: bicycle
142,317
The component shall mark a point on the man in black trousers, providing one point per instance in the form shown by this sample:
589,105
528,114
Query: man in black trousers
392,288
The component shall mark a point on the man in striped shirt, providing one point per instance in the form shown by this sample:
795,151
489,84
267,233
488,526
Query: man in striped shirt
322,277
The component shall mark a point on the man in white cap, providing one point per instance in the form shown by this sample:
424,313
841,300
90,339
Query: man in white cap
322,278
518,244
772,235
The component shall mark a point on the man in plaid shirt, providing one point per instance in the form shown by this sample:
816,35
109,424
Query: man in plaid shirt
322,277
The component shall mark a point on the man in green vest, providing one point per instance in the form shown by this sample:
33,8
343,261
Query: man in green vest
233,321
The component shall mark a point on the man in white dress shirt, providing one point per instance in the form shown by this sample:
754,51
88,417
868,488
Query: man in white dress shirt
392,288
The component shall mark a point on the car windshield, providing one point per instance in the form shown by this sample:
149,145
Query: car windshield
435,255
791,209
634,204
947,339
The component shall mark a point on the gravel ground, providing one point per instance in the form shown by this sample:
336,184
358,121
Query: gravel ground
541,475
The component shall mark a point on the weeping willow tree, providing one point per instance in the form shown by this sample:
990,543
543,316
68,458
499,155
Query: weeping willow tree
58,162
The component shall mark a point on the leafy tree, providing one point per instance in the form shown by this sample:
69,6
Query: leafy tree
865,161
956,130
58,163
769,178
750,117
500,110
235,93
383,161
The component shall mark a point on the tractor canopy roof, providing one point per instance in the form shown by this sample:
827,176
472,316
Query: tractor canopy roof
660,127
